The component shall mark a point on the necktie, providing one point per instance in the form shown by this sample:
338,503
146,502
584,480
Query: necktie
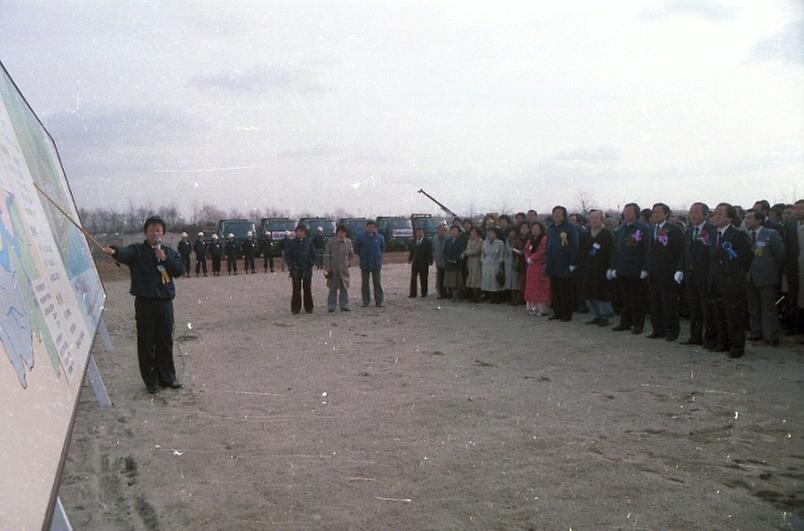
753,236
695,233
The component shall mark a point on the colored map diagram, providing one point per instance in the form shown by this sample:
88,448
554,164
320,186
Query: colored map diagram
51,303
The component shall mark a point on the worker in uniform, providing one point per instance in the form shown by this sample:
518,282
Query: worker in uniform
185,248
268,251
200,247
249,246
215,253
231,254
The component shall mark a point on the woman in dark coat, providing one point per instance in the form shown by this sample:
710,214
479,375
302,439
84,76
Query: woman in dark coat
596,250
454,246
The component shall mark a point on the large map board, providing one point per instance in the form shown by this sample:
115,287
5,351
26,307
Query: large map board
51,300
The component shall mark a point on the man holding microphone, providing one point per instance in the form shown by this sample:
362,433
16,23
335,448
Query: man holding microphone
153,268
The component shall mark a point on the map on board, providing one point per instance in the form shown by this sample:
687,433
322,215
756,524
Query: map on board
51,301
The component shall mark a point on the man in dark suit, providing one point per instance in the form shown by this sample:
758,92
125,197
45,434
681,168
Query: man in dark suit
694,272
792,323
664,260
629,264
763,278
300,257
420,259
730,260
763,207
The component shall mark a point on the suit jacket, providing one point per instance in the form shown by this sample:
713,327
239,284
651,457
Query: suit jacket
665,254
562,250
696,257
631,246
421,254
768,260
730,260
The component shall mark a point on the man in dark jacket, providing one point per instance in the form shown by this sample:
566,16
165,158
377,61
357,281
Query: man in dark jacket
216,253
153,268
200,247
185,249
319,243
231,254
420,259
249,247
763,278
268,250
730,261
664,260
370,246
597,249
562,256
300,257
698,241
629,264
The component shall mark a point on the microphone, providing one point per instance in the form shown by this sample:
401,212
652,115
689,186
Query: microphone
158,243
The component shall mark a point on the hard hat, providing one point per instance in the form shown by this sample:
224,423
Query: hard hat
201,234
183,234
230,235
320,229
267,232
214,236
248,233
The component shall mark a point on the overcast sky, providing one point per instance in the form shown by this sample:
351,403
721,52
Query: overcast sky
314,106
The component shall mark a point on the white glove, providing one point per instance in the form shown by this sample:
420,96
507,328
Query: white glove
613,273
609,274
572,269
643,275
529,261
678,277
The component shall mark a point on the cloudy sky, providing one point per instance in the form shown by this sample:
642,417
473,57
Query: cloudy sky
315,106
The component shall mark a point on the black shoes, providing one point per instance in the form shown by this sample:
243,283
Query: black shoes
152,389
654,335
636,330
173,385
603,322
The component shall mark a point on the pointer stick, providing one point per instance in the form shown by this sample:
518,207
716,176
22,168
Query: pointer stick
66,215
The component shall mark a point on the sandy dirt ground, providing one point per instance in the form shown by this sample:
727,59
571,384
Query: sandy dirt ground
428,414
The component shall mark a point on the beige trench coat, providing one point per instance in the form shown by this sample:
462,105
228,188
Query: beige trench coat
337,259
473,267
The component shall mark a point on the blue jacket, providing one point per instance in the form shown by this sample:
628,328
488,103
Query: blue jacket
300,257
147,280
562,249
630,255
370,249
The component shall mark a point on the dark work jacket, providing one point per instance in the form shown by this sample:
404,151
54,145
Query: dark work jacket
318,243
561,252
597,251
791,259
695,260
215,250
268,247
300,257
248,248
230,249
146,279
630,255
185,247
452,253
421,256
725,272
665,254
200,247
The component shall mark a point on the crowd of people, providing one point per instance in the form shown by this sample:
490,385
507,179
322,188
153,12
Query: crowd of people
737,274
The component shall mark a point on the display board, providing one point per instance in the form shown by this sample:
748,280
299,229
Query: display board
51,301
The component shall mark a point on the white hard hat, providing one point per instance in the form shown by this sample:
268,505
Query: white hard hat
248,233
230,235
183,234
267,232
201,234
214,236
320,229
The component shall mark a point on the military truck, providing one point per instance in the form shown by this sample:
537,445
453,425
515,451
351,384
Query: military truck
354,226
278,227
427,222
397,231
239,227
313,223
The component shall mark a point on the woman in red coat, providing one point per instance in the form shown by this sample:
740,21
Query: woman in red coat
537,285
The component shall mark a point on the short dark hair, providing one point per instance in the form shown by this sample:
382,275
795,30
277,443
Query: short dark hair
340,228
562,209
665,208
154,220
495,230
704,207
764,203
303,227
506,217
531,210
758,214
731,212
371,222
520,214
634,207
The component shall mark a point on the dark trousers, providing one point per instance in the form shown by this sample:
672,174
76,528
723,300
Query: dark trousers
248,263
422,272
296,298
216,265
632,299
664,308
702,328
186,261
562,291
728,312
154,318
268,260
200,265
440,289
231,264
